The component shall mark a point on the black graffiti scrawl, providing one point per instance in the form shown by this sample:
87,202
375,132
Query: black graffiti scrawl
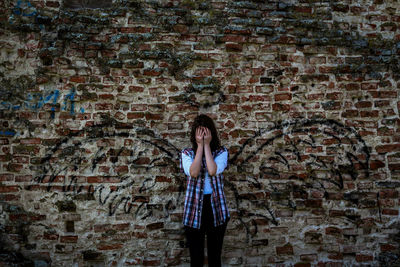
124,168
280,165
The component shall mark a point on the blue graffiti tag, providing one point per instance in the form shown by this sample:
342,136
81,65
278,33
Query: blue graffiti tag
25,9
20,8
37,101
70,96
7,133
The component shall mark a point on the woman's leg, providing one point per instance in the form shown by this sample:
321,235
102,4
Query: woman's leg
215,238
195,241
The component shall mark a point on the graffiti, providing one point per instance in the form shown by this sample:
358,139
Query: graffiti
8,133
280,166
277,169
25,9
36,101
133,179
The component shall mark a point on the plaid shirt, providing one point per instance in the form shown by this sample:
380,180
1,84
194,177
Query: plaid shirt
194,189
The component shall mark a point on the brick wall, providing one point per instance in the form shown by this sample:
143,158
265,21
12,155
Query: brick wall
96,103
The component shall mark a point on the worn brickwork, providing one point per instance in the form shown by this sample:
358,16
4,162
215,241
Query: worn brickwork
96,103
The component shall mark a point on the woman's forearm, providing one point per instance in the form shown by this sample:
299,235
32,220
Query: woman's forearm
211,165
196,164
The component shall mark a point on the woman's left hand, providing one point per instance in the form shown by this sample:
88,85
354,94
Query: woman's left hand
207,136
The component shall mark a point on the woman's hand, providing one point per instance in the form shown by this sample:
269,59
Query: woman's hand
207,136
199,136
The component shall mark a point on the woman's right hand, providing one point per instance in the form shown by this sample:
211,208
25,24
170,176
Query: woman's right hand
199,136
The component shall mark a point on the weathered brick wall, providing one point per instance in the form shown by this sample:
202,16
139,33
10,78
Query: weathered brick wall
96,105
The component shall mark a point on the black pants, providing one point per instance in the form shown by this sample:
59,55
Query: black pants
215,236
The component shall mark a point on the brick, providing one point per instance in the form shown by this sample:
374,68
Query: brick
383,94
387,148
77,79
151,262
154,226
363,104
333,231
284,96
350,113
287,249
388,193
308,257
388,247
8,189
224,107
233,47
390,212
370,114
364,257
109,246
280,107
69,239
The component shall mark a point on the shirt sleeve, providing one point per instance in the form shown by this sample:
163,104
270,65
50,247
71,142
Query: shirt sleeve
186,162
221,160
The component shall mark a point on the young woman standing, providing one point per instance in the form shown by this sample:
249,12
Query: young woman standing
205,210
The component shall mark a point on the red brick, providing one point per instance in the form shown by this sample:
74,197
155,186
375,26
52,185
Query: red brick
280,107
103,106
154,116
350,113
388,247
335,256
233,47
69,239
313,203
77,79
151,262
376,164
182,29
227,107
135,115
394,167
302,264
333,231
363,104
370,114
364,257
152,72
284,96
285,250
8,188
388,193
6,177
308,257
390,212
137,29
387,148
49,236
383,94
352,86
109,246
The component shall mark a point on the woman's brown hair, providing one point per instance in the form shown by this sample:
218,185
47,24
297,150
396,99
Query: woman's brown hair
205,121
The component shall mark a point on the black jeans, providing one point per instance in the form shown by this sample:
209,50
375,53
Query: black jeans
215,236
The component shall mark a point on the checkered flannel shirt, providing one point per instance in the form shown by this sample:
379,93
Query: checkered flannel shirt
195,186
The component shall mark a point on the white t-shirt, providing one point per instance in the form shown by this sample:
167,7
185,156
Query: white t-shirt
220,160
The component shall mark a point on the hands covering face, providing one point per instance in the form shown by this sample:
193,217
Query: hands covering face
203,135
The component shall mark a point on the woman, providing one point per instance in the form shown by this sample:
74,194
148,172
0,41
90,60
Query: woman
205,210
